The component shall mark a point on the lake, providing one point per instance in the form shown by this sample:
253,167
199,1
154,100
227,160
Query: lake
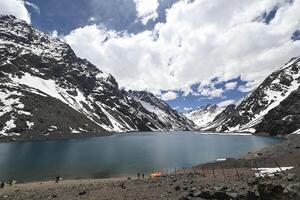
119,155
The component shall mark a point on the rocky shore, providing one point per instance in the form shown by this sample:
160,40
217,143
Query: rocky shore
230,179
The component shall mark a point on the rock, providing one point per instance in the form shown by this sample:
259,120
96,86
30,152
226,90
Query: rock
221,195
270,191
233,195
185,188
122,185
290,177
252,181
184,198
252,196
129,178
205,194
177,188
53,195
82,193
292,188
195,193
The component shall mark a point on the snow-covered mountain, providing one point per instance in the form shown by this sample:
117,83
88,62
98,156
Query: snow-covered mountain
45,89
204,115
272,108
170,117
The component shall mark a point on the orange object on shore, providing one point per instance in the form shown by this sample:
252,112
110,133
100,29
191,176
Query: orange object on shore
156,174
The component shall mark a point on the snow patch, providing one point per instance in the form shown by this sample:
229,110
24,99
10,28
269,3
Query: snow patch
29,124
270,171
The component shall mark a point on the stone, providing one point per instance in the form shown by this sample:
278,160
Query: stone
205,194
252,196
252,181
290,177
233,195
177,188
270,191
82,193
221,195
184,198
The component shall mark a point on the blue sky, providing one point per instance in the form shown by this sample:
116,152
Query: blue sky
189,53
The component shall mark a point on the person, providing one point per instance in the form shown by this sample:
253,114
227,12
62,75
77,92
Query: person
143,175
139,175
57,179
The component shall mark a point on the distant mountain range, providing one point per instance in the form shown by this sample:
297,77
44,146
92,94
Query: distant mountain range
273,108
47,91
204,115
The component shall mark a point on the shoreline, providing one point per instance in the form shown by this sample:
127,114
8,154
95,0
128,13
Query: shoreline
59,136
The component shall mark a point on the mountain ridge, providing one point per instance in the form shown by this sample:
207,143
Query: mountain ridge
40,74
267,108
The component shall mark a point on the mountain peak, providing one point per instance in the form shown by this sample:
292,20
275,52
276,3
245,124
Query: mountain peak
43,85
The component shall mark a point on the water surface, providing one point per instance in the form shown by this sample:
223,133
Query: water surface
119,155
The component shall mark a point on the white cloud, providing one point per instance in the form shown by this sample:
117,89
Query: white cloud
200,40
187,109
146,10
248,87
33,6
231,85
16,8
212,92
226,103
169,96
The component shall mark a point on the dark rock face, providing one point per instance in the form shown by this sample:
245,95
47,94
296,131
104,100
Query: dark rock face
270,108
283,119
46,89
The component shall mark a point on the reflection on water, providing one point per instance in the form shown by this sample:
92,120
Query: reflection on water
119,155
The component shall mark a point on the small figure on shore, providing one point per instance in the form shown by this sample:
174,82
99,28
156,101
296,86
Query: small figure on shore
139,175
57,179
143,176
2,184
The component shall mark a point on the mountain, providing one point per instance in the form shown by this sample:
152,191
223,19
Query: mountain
170,117
46,90
204,115
272,108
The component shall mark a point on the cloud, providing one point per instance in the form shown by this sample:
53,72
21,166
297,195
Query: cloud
212,92
251,85
199,41
33,6
187,109
16,8
226,103
146,10
169,96
231,85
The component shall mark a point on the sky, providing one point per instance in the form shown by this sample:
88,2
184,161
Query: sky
188,52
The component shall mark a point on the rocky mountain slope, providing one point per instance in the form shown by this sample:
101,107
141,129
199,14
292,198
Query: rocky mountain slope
272,108
170,117
204,115
45,89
